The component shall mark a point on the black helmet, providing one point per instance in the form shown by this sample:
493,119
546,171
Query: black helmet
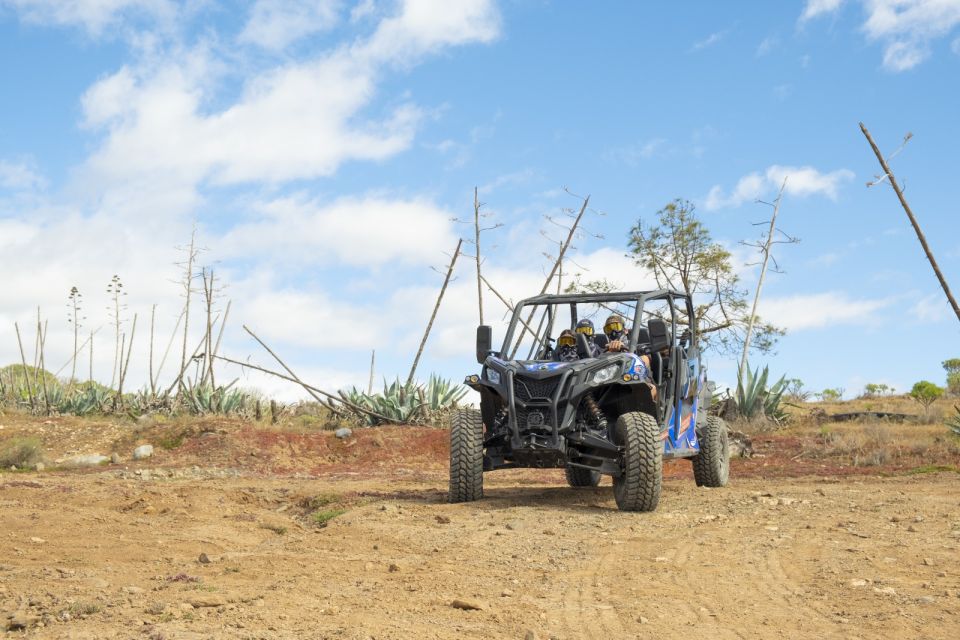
585,327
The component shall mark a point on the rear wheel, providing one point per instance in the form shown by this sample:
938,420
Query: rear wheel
466,456
711,467
580,477
638,487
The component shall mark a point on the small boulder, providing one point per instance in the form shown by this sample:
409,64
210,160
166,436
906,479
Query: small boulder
39,466
343,432
91,460
115,458
20,621
207,600
143,452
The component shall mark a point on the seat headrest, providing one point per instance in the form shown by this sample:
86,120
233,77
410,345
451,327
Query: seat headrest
659,334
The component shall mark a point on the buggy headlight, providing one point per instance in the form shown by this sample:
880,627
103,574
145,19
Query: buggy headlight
606,374
493,376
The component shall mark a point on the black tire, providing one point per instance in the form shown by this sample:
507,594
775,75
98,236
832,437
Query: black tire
638,487
580,477
466,456
711,467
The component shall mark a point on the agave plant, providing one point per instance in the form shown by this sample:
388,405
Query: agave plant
755,399
442,393
406,402
953,423
206,399
85,400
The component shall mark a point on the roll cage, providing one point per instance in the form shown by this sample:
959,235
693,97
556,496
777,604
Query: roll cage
553,301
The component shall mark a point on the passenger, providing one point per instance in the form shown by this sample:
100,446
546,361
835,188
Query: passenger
566,350
585,327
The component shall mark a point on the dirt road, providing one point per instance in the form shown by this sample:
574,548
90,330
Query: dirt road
112,554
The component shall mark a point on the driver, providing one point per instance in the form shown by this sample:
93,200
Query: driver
615,330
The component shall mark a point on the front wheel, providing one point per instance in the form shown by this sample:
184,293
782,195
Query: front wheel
466,456
580,477
638,486
711,467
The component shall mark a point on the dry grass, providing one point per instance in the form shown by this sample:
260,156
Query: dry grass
20,452
871,442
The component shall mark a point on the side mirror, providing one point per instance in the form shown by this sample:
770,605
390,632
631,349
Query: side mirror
659,336
484,342
583,347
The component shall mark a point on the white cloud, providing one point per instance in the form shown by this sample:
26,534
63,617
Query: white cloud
287,124
801,182
931,309
368,231
94,16
363,9
274,24
815,8
767,45
19,176
425,26
631,155
906,28
782,91
709,41
815,311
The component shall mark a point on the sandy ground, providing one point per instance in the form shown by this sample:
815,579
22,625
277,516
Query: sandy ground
113,554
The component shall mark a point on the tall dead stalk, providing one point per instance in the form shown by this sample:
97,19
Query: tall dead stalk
436,307
553,271
888,175
26,377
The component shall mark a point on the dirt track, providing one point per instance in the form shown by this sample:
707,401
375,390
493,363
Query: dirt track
790,558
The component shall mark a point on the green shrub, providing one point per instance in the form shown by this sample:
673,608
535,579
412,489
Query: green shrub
872,390
20,452
323,517
926,393
952,367
831,395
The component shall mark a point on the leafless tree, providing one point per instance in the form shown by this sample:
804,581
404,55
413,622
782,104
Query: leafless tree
765,247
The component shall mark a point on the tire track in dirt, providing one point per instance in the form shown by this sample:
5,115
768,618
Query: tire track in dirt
588,608
745,586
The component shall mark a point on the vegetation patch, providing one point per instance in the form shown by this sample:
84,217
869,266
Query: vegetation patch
323,517
933,468
20,452
278,529
81,609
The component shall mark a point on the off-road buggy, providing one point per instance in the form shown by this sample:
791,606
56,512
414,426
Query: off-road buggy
598,414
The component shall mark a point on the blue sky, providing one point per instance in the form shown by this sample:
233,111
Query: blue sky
323,147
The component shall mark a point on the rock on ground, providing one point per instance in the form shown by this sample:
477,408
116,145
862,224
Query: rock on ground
143,452
91,460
